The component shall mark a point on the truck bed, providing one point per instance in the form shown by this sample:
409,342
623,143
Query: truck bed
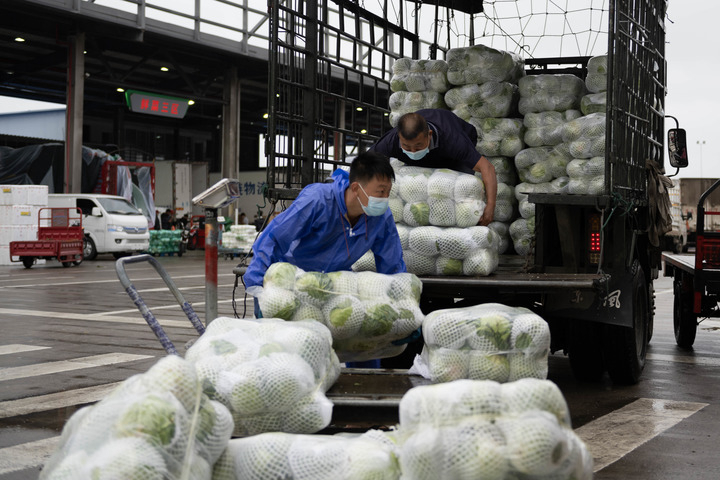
685,262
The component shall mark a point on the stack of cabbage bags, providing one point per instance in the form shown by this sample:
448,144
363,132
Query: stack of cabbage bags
479,64
269,456
157,425
499,137
484,342
487,100
596,80
586,141
441,197
272,375
543,93
417,84
470,429
239,237
367,313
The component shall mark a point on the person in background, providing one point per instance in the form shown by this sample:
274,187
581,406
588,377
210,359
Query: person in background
242,219
166,219
437,138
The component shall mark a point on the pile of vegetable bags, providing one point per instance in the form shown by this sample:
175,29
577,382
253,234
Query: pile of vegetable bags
371,455
585,137
471,429
272,375
484,342
368,314
156,425
417,84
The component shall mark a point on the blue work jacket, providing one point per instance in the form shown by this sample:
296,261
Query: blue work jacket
315,235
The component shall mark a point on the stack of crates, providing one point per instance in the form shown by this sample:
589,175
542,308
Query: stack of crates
165,241
19,208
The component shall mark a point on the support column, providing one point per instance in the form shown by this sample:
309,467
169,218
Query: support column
231,130
74,113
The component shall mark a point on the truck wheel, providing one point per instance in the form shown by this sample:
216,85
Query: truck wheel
28,261
625,348
684,319
89,250
585,351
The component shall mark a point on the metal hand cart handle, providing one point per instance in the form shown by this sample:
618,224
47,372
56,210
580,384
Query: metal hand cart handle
144,310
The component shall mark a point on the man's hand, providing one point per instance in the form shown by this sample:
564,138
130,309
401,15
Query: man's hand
487,216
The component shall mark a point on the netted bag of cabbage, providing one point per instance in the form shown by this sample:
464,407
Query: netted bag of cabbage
505,203
499,137
545,128
522,233
271,374
470,429
408,102
501,229
371,455
485,342
543,93
158,424
491,99
479,64
594,103
419,75
596,80
587,186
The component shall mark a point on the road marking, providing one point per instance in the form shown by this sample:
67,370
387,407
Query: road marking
98,317
27,455
705,361
106,281
52,401
19,348
611,437
35,370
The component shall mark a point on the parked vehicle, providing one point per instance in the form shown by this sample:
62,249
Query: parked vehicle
111,223
595,256
60,236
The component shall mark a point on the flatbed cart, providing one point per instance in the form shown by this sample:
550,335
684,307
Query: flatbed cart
696,278
60,235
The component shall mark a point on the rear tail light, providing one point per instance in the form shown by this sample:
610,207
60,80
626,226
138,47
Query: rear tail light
594,245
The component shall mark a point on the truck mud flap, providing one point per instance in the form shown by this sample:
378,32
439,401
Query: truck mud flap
610,304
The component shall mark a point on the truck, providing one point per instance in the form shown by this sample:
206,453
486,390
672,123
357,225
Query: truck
176,183
595,256
684,196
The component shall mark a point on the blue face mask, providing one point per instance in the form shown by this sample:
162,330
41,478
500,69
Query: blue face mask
376,205
417,155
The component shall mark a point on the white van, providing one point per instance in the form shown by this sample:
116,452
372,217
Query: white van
111,223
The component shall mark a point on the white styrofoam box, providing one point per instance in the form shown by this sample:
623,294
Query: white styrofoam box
5,256
13,195
19,214
37,195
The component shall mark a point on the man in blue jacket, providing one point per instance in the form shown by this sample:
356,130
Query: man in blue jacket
437,138
331,225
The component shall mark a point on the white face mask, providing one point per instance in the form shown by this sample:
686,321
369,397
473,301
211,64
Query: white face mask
376,205
417,155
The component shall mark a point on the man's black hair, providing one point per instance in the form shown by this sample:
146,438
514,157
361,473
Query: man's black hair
411,125
369,165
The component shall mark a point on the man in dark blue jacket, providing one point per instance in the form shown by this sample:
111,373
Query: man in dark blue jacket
437,138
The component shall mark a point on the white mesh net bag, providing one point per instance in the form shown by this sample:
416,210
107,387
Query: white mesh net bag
271,374
366,312
596,80
499,137
488,341
542,93
469,429
479,64
158,424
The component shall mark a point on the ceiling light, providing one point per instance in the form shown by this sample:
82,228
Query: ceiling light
363,131
266,115
191,102
359,109
19,39
164,69
120,89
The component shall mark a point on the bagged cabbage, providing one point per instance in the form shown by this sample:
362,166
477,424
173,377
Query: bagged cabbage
485,342
504,170
272,375
371,455
470,429
543,164
543,93
586,127
501,230
490,99
596,80
479,64
594,103
403,102
158,424
419,75
364,311
545,128
499,137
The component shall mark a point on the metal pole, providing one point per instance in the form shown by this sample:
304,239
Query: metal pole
211,264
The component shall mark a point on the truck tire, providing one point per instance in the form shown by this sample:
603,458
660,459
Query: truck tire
585,350
625,348
684,319
28,261
89,250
